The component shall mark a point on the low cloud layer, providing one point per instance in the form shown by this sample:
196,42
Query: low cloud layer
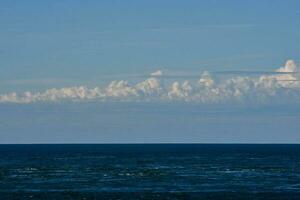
281,87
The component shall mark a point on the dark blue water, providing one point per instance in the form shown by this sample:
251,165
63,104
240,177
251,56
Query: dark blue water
162,171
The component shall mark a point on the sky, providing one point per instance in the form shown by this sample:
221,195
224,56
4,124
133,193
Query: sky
149,71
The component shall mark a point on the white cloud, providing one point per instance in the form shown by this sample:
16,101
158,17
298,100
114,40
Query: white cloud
290,66
282,87
157,73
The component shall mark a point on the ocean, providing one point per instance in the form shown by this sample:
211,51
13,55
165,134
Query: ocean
150,171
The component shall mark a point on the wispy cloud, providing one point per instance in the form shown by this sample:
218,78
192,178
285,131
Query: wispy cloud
201,27
46,81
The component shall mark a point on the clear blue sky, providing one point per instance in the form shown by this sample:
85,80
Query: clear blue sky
79,40
58,43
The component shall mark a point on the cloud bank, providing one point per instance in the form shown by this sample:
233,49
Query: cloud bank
281,87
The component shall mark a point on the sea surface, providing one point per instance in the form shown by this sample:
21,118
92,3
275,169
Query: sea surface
150,171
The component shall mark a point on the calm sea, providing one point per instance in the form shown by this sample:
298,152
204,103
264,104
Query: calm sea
150,171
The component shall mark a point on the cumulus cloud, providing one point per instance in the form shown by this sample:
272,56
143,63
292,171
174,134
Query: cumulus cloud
281,87
290,66
157,73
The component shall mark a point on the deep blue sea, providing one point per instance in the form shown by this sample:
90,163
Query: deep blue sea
150,171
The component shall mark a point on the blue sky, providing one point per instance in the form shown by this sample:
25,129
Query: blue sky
66,44
80,40
148,123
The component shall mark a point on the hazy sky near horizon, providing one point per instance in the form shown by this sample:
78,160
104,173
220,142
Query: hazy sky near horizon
148,123
65,53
